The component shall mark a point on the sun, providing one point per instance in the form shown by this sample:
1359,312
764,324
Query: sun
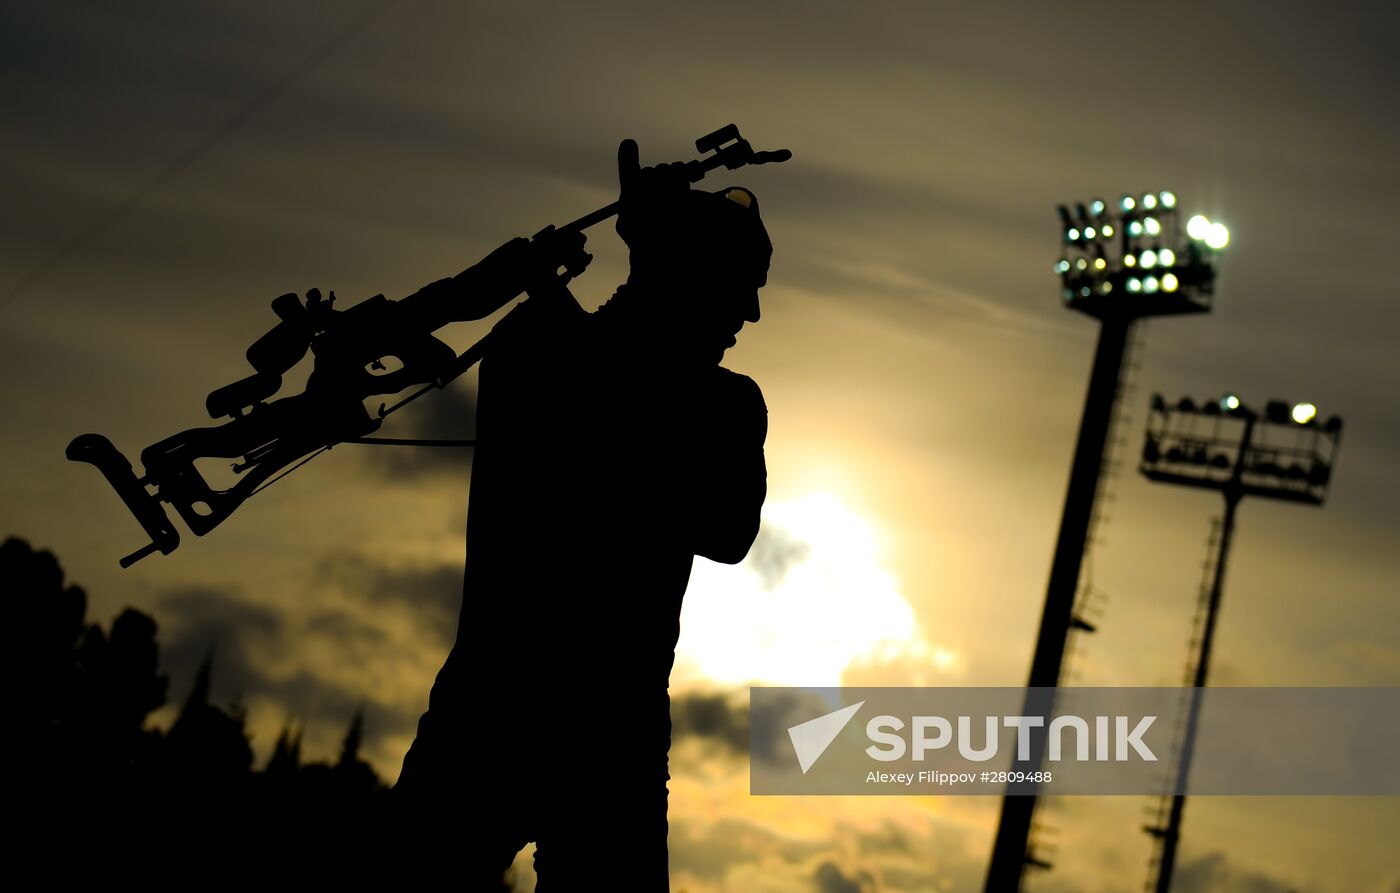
811,599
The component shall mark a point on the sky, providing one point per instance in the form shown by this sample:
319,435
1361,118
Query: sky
923,380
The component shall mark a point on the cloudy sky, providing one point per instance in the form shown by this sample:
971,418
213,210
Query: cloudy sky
923,381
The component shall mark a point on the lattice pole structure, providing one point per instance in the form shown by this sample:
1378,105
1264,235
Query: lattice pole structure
1285,453
1119,264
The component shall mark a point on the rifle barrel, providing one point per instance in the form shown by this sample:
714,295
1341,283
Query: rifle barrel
697,170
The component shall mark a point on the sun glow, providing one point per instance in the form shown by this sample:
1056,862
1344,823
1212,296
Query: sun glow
811,599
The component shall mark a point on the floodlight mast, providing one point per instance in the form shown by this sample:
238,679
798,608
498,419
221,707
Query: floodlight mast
1114,266
1236,468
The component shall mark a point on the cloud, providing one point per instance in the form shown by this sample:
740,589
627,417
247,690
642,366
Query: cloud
1213,873
261,655
712,849
345,627
773,552
207,620
889,838
716,717
907,851
814,598
449,414
769,741
430,595
831,879
722,718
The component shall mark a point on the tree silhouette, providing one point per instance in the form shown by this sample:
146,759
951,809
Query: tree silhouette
90,770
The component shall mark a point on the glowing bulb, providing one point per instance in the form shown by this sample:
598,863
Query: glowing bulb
1197,227
1150,284
1153,226
1166,257
1168,199
1088,232
1096,207
1217,236
1229,403
1072,235
1304,413
1107,231
1106,287
1128,203
1149,201
1084,292
1062,266
1135,228
1149,259
1129,260
1170,282
1134,284
1082,264
1100,263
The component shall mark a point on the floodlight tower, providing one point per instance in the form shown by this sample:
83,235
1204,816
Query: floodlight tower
1118,264
1285,453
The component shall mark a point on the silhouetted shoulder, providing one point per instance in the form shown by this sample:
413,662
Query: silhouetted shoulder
740,384
538,334
742,393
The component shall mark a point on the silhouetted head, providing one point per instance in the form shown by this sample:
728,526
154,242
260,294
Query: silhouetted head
700,265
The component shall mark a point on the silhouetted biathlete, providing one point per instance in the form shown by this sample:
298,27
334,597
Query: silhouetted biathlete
612,449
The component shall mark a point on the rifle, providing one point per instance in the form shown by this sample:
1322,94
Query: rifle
269,440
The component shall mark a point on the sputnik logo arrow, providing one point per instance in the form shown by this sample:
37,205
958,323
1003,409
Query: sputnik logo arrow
810,739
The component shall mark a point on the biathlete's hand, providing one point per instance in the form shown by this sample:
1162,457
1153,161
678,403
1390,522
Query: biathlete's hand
551,249
647,195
